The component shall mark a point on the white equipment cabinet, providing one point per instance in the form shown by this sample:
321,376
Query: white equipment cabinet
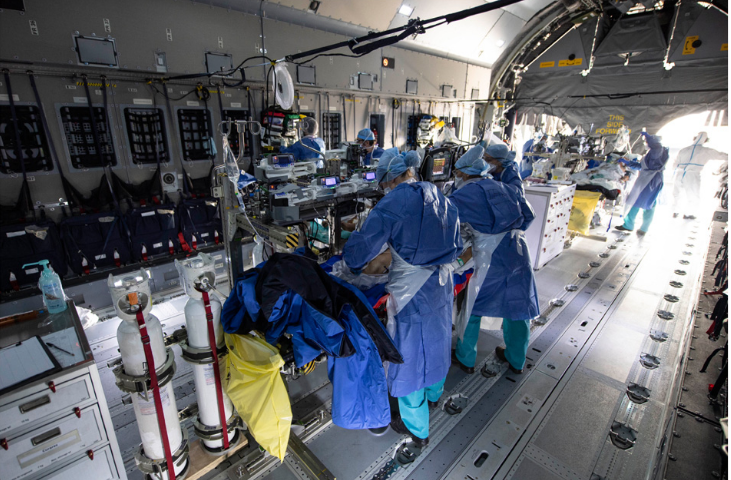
56,424
547,233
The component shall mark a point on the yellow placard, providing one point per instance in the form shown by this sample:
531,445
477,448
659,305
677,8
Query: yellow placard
547,64
688,45
724,47
570,63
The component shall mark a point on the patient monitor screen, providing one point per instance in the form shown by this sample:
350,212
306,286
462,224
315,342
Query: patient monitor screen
438,167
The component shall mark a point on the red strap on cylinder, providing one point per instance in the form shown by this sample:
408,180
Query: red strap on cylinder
156,394
216,369
183,244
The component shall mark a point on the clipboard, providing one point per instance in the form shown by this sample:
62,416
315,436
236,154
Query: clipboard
24,363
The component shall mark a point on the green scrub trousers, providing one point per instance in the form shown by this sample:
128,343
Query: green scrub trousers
414,408
647,215
516,334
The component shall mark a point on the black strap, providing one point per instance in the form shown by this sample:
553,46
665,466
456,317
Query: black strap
220,104
25,188
92,116
158,173
106,110
95,134
249,135
393,124
172,120
330,145
414,127
204,94
345,122
52,146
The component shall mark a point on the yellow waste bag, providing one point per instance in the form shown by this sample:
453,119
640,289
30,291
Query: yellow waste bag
582,210
257,391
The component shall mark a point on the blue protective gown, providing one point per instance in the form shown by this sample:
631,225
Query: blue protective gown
422,226
510,176
653,165
376,153
301,153
509,289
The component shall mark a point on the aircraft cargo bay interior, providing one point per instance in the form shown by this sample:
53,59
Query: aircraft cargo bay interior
387,239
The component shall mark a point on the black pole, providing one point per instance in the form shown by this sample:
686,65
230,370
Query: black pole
414,26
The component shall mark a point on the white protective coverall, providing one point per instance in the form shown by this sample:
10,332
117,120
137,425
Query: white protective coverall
687,176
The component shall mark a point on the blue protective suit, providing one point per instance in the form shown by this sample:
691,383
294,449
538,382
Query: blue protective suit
422,227
510,176
650,180
509,289
360,394
355,369
241,309
301,153
376,153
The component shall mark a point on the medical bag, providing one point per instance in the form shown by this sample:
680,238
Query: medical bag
200,223
29,243
153,231
95,241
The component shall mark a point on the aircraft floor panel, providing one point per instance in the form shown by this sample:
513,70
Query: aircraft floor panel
553,421
348,453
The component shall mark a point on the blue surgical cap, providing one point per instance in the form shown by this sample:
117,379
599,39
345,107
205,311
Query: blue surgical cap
366,134
471,162
501,152
392,164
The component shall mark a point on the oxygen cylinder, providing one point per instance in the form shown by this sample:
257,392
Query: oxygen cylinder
198,277
140,337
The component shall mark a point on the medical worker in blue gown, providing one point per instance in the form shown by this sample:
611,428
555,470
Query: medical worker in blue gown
533,145
310,139
367,140
493,216
421,228
647,187
505,169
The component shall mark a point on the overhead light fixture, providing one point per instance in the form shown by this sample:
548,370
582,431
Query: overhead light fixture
314,5
500,43
406,10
